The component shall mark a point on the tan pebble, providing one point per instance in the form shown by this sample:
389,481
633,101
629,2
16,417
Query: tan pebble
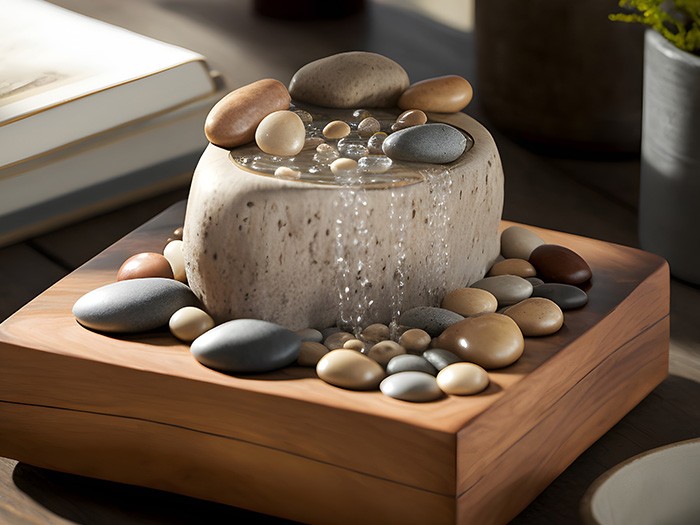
447,94
415,340
310,353
383,351
470,301
174,254
375,332
313,142
233,120
354,344
337,340
343,166
412,117
536,316
177,233
287,173
145,265
462,379
489,340
188,323
350,369
518,242
519,267
281,133
336,129
368,127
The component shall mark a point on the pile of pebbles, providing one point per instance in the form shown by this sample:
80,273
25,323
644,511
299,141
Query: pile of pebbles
439,351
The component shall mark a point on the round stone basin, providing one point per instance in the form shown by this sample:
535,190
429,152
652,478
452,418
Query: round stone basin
310,252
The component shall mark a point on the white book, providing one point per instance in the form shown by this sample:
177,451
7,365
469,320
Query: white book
65,77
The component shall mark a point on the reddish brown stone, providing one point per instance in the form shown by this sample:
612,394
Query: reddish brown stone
560,265
145,265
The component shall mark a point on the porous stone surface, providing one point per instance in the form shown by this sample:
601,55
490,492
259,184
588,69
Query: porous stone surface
260,247
355,79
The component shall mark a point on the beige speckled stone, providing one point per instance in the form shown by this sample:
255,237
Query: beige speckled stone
350,369
350,80
470,301
415,340
536,316
519,267
249,239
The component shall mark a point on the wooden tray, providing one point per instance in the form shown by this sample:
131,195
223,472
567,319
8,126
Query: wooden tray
141,410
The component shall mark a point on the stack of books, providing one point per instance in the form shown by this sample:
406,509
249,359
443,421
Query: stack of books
91,116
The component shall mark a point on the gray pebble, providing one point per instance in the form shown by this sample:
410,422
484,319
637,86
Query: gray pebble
508,289
433,143
440,358
567,296
134,305
534,281
411,386
410,363
432,319
310,334
247,345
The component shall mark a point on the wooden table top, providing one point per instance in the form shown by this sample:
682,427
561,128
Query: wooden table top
593,197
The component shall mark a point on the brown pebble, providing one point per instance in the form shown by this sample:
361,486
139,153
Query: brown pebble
560,265
177,233
336,129
310,353
337,340
470,301
489,340
233,120
447,94
415,340
145,265
383,351
519,267
354,344
375,333
536,316
412,117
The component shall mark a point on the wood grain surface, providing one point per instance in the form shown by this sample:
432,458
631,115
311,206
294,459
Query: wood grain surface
70,374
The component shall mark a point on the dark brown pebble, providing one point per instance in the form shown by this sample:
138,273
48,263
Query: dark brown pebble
560,265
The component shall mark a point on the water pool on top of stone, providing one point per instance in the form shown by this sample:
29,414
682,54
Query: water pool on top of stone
363,144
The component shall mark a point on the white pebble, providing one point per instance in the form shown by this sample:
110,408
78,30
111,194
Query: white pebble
287,173
344,166
188,323
174,254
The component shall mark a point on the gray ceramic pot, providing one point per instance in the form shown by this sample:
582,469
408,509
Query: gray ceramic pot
669,206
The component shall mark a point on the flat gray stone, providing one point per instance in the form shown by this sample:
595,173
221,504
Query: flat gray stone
440,358
134,305
432,319
567,296
247,345
534,281
412,386
508,289
357,79
410,363
433,143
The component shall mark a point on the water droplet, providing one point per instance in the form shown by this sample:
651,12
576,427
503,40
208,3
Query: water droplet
374,164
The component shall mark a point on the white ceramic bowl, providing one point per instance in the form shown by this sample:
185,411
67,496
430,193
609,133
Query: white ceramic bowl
661,486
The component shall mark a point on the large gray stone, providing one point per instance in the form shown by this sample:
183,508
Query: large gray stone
247,345
434,143
264,248
134,305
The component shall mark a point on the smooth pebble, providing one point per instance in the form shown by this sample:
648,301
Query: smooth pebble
536,316
519,267
507,289
446,94
534,281
343,166
417,387
470,301
567,296
310,353
429,318
145,265
518,242
233,120
336,129
188,323
440,358
134,305
408,363
354,344
337,339
560,264
383,351
489,340
246,346
287,173
310,334
350,80
375,332
368,127
281,133
432,143
411,117
463,379
350,369
173,252
415,340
